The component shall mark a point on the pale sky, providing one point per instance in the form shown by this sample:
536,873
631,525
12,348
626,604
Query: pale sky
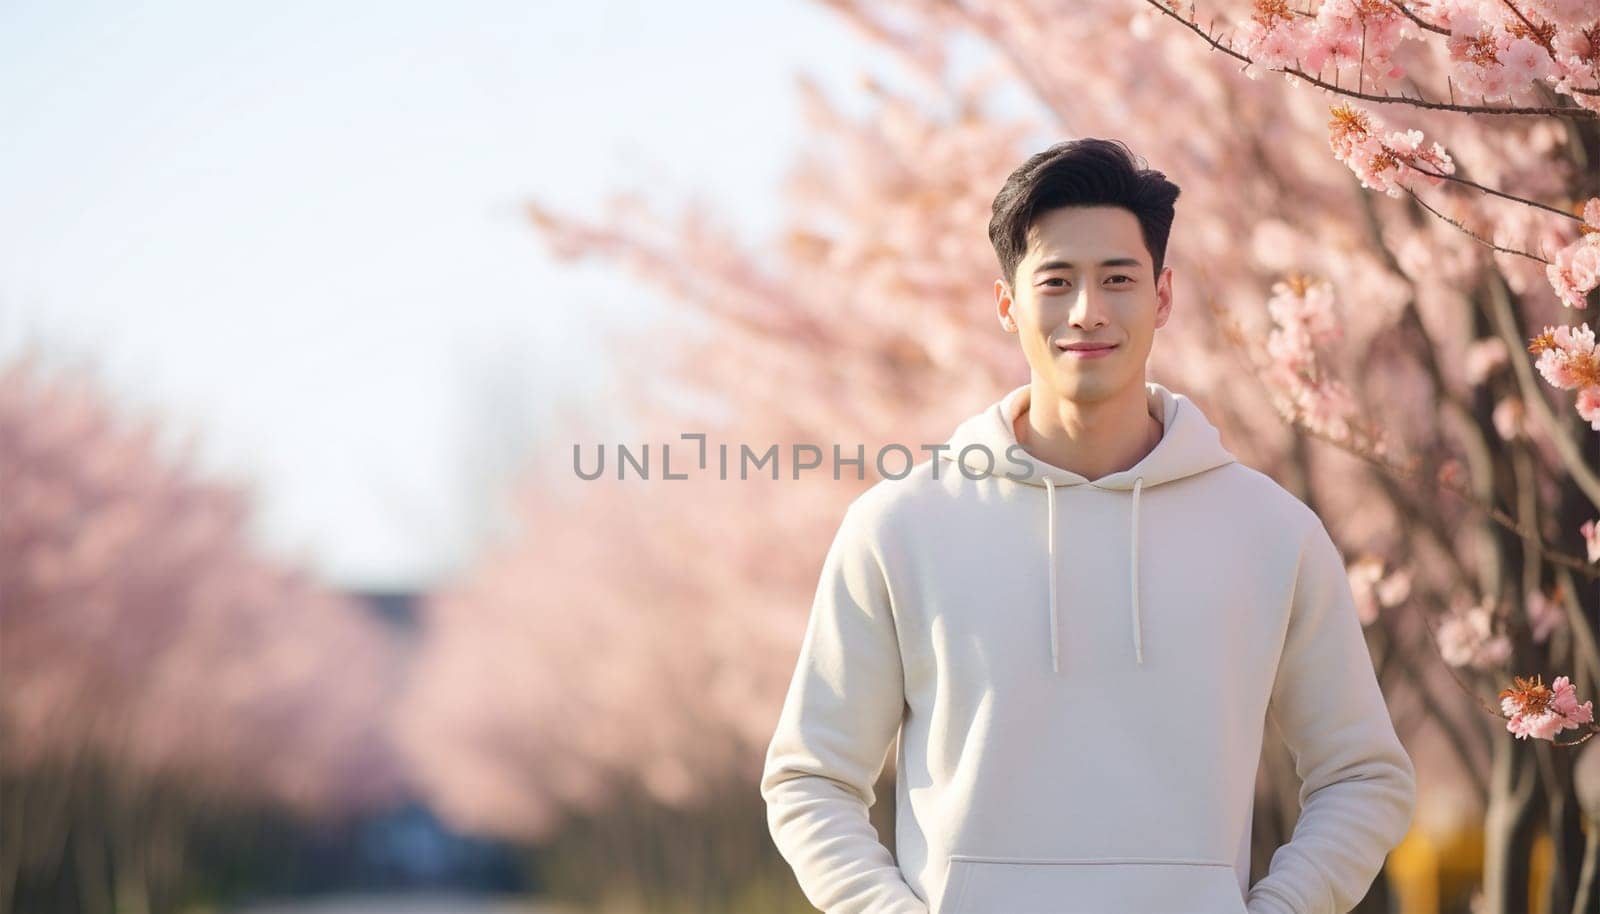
294,229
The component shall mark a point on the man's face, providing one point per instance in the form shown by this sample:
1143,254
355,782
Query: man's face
1086,278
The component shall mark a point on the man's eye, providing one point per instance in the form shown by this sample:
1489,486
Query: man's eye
1063,281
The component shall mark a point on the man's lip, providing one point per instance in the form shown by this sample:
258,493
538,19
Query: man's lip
1083,346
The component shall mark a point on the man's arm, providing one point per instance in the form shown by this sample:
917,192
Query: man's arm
1358,786
842,711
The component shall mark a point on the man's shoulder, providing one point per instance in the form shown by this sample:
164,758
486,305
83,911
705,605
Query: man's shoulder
893,499
1261,495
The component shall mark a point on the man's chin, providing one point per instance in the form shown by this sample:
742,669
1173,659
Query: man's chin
1086,385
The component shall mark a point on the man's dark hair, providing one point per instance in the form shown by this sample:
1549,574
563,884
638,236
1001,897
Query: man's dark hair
1082,172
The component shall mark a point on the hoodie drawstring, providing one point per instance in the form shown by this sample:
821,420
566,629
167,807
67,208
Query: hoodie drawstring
1133,553
1050,546
1133,564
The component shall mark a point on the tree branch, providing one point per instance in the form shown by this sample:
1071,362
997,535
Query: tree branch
1548,111
1470,233
1421,23
1498,193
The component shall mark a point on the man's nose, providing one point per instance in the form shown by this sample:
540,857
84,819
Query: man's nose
1086,309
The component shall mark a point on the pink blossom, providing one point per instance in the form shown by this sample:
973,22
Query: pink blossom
1374,590
1495,81
1303,310
1575,270
1545,615
1336,41
1463,22
1353,33
1364,574
1508,416
1588,404
1483,357
1308,305
1395,588
1278,49
1571,47
1466,637
1565,12
1291,347
1326,407
1591,539
1567,356
1270,43
1540,712
1526,60
1390,163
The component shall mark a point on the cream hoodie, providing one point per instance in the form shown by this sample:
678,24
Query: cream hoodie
1079,672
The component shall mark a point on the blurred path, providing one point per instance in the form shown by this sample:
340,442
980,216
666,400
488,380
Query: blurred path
404,904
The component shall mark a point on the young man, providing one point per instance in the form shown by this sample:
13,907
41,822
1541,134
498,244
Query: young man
1079,617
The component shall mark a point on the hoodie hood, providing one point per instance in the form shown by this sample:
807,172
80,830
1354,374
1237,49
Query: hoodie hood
1189,445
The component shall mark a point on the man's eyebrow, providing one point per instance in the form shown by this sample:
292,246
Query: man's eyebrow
1069,265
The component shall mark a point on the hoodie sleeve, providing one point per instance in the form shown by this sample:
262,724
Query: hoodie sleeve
842,711
1357,784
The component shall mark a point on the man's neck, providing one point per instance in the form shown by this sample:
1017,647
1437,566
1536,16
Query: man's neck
1092,439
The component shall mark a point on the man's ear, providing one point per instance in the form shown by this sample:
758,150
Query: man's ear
1003,302
1164,296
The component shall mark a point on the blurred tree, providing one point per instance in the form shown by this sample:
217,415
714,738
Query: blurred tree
154,670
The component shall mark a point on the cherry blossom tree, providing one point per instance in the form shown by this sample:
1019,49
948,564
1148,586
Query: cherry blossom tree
1378,258
157,671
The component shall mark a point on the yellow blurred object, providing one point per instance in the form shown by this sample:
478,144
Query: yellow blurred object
1539,871
1429,874
1413,872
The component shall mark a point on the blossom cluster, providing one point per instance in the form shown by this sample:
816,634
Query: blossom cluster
1388,161
1376,587
1539,711
1302,310
1495,51
1467,637
1568,361
1575,269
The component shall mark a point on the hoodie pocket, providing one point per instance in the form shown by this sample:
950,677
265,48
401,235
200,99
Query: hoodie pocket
1105,885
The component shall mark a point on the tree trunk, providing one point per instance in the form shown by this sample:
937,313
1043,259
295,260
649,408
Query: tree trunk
1508,828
